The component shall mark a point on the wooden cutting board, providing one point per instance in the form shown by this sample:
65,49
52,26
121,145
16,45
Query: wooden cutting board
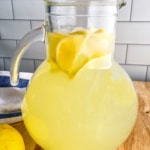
140,136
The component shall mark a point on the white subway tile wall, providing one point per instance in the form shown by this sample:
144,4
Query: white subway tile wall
26,65
36,24
120,53
7,48
133,32
136,72
6,9
36,51
132,51
28,9
141,10
14,29
138,54
125,12
37,63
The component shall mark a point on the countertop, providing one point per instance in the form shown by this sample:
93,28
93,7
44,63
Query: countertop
139,139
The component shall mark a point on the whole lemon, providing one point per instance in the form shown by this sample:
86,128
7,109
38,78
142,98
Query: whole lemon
10,138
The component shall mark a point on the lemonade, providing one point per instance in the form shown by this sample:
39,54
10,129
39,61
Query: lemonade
79,98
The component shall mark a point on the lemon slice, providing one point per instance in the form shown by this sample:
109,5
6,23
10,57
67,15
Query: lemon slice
84,31
104,62
99,44
99,63
101,30
79,31
53,40
81,48
69,54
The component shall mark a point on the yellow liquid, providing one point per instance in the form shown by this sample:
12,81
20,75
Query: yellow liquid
71,107
95,110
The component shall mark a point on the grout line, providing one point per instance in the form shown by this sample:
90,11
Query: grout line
22,19
7,57
146,76
30,25
8,40
4,63
39,59
120,44
28,59
119,63
139,21
36,59
36,19
126,54
34,64
22,58
134,21
131,9
140,65
12,9
16,42
132,44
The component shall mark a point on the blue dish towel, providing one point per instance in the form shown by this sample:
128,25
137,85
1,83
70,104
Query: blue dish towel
11,96
5,82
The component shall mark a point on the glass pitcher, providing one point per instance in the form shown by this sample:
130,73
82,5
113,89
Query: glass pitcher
79,98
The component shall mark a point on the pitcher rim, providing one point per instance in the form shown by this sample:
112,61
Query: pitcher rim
118,3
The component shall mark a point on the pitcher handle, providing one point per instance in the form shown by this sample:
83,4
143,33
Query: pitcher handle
35,35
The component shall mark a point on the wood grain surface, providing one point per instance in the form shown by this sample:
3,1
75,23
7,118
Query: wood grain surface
139,139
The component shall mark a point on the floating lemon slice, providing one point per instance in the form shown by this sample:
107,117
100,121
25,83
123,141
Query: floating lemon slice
79,31
69,54
104,62
81,48
84,31
100,31
53,40
99,63
99,44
